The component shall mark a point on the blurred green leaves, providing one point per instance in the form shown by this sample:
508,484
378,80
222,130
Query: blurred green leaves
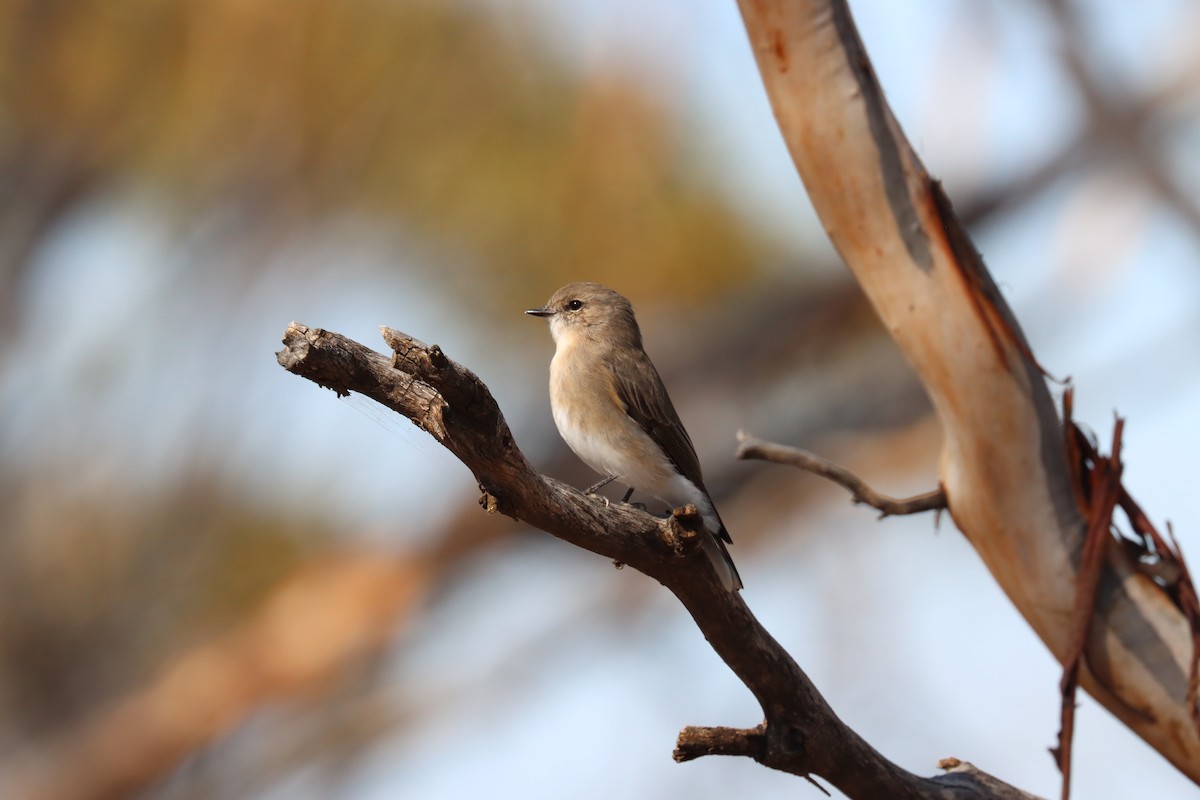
422,115
503,168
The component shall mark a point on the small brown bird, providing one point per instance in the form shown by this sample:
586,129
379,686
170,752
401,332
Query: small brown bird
613,411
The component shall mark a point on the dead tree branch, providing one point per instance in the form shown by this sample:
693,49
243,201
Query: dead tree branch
802,735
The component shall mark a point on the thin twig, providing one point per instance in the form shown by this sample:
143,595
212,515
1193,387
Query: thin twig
751,447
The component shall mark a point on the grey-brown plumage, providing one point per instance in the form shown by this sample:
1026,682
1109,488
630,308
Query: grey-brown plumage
613,411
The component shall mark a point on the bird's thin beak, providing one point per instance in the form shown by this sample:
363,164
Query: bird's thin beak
540,312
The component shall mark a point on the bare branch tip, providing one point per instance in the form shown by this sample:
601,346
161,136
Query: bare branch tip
695,741
681,530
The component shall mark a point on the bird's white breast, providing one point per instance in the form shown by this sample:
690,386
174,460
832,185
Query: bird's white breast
596,427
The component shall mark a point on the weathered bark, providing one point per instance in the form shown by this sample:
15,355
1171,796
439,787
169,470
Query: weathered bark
801,734
1004,470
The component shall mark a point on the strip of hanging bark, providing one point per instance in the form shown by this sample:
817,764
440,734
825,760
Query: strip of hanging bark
1104,489
1157,558
803,736
751,447
1190,603
1164,563
1004,468
1152,554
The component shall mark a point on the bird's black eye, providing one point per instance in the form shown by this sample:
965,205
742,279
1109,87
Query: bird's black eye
574,305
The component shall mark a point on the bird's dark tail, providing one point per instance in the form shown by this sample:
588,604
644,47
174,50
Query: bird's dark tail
718,554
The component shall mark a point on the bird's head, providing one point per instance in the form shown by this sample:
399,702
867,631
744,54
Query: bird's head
591,311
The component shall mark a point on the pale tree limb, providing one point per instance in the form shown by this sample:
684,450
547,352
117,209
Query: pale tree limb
801,733
1004,470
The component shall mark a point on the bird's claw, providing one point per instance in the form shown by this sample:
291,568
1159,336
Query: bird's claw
599,497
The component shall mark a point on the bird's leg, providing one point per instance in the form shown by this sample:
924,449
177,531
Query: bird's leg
592,489
629,494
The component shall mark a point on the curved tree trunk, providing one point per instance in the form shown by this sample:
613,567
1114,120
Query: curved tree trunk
1007,478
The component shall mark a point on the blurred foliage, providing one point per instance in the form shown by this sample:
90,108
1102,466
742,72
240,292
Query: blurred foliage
96,592
423,115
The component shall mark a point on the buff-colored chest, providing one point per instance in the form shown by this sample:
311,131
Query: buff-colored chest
592,420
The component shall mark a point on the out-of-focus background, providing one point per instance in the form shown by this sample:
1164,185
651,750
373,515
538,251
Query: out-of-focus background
217,580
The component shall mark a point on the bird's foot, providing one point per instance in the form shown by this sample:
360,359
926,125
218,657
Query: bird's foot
625,501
